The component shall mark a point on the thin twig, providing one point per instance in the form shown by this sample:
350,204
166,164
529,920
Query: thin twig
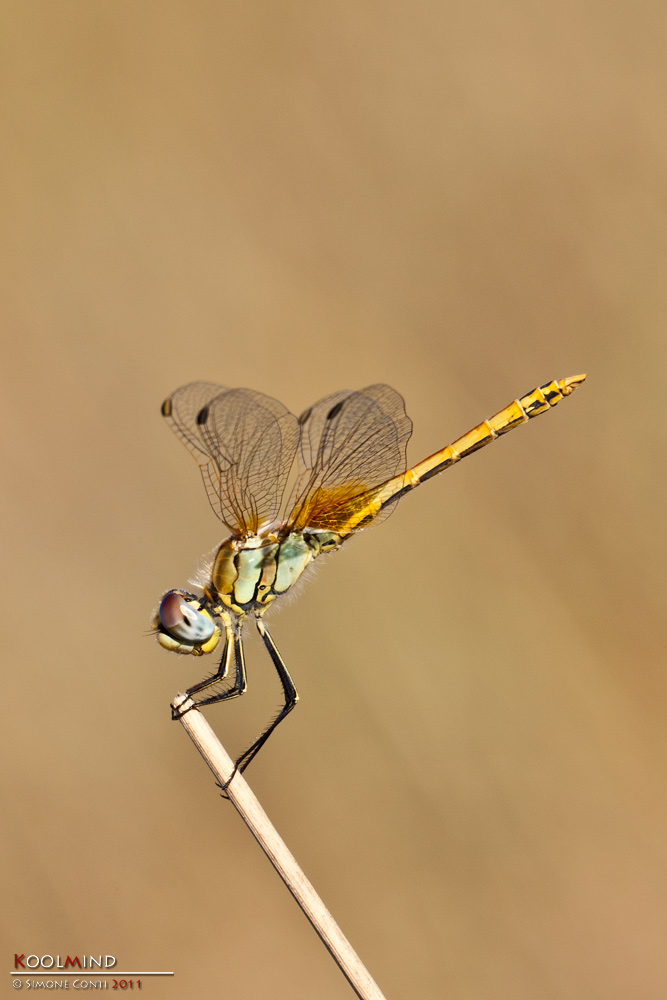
274,847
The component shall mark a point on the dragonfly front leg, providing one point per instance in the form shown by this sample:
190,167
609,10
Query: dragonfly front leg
233,649
290,694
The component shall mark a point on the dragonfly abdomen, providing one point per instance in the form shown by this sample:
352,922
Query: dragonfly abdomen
517,412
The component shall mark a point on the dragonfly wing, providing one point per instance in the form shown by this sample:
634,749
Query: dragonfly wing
244,443
349,443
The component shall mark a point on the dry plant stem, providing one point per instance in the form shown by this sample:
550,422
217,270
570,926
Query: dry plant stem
274,847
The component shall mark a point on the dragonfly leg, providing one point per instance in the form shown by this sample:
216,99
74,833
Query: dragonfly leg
233,648
290,694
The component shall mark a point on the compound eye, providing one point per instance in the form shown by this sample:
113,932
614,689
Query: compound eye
181,619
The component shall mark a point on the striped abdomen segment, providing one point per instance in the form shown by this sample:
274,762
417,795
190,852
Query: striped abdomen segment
518,412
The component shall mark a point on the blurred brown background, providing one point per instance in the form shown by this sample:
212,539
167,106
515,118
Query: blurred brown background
464,201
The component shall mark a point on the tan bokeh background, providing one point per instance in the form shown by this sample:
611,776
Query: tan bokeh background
464,201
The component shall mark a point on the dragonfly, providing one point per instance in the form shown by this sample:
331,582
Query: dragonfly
347,458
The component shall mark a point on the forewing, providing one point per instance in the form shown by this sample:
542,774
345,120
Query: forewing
350,442
244,443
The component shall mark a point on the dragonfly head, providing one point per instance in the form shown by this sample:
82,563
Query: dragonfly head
183,624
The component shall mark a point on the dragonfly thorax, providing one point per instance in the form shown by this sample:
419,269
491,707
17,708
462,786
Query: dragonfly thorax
250,573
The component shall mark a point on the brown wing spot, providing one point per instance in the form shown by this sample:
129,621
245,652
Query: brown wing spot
202,416
305,415
335,410
165,409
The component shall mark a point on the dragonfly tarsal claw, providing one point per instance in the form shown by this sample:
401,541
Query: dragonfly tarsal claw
178,711
223,788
